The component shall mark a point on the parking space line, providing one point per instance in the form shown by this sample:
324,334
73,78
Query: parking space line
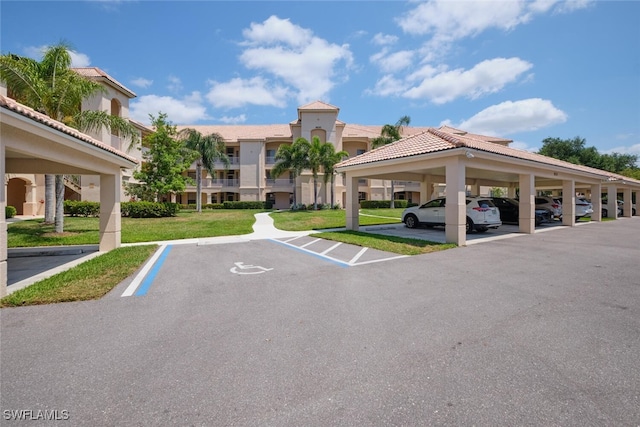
380,260
154,262
358,255
331,248
292,239
316,254
309,243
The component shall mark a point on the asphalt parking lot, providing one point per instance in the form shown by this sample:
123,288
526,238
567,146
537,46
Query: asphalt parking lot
541,329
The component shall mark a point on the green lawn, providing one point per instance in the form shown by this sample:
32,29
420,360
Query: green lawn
90,280
398,245
318,220
84,231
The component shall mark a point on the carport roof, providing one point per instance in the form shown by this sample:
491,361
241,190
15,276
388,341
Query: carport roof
21,109
446,138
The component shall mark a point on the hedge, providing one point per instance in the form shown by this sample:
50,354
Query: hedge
381,204
80,208
10,211
148,209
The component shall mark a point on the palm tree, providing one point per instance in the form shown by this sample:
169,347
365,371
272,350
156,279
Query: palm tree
329,160
291,158
209,148
53,88
315,160
389,134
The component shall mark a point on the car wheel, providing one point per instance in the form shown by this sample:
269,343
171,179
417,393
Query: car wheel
469,225
411,221
633,212
538,221
605,213
482,230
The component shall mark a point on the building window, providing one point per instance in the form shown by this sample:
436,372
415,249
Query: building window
360,151
362,196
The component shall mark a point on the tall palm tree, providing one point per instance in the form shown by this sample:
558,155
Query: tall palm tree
389,134
52,87
315,160
329,160
209,148
291,158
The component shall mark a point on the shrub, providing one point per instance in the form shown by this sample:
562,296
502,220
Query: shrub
247,205
149,209
382,204
213,206
9,211
81,208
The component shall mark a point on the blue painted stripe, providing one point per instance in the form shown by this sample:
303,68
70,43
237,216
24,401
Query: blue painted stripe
142,290
308,252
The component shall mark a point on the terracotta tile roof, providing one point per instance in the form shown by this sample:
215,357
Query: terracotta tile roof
97,73
23,110
234,133
436,140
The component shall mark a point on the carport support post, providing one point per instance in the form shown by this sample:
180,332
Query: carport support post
626,207
596,201
455,210
527,217
110,219
352,203
426,189
3,228
568,202
612,201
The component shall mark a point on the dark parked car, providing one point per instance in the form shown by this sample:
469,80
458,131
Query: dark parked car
510,211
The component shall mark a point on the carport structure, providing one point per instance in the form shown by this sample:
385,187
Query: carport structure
31,142
460,159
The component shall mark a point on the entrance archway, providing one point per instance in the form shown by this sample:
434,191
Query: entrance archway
17,194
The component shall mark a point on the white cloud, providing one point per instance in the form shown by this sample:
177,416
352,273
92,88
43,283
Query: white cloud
175,84
447,21
388,86
274,31
384,39
233,120
629,149
78,60
392,62
488,76
295,57
142,82
179,111
238,92
515,116
521,145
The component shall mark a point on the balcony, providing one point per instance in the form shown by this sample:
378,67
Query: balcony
407,184
281,182
270,160
217,183
234,162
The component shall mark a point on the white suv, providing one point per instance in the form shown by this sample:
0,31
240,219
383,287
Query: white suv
482,214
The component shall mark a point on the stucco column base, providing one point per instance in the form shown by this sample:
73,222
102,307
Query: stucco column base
29,208
456,206
3,274
353,205
596,202
612,201
568,203
110,217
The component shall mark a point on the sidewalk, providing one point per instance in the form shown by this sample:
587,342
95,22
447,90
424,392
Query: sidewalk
29,265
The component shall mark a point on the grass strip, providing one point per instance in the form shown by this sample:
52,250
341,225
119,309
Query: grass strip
318,220
398,245
90,280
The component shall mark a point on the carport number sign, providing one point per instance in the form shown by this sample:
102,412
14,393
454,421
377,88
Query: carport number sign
241,268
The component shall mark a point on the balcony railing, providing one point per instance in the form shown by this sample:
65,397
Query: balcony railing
270,160
280,182
217,183
407,184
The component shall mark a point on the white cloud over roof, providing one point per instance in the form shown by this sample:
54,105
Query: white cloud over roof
189,109
510,117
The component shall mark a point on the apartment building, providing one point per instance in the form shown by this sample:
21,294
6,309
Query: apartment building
252,149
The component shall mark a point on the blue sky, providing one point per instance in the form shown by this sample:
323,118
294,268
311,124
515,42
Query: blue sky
524,70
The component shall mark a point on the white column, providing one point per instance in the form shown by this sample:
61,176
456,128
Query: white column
353,205
626,207
511,191
596,201
527,217
568,202
110,218
612,201
426,188
3,227
455,210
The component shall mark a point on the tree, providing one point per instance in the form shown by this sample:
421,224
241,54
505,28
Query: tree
315,159
164,162
389,134
209,148
329,161
291,158
52,87
575,151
